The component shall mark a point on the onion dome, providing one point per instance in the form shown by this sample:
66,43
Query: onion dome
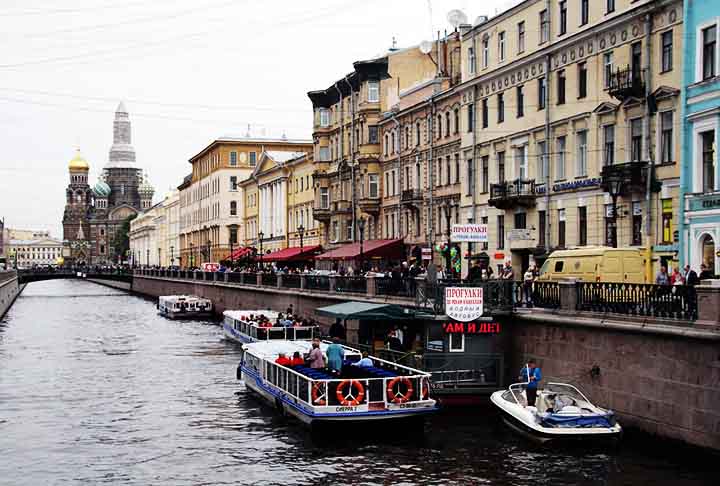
146,190
101,189
78,163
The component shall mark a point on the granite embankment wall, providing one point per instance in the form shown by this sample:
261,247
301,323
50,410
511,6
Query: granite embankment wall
9,290
664,380
112,284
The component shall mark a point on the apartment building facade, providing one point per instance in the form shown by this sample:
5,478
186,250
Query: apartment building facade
154,237
571,131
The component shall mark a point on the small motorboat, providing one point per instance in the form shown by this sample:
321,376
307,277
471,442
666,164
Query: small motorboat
184,307
561,412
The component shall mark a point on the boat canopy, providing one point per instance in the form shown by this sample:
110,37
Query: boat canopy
366,311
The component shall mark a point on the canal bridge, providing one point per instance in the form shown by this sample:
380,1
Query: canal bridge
28,276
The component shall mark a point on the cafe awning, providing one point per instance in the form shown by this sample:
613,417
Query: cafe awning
291,254
389,249
239,253
366,311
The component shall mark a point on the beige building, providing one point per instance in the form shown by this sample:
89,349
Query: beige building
154,233
567,104
28,249
212,198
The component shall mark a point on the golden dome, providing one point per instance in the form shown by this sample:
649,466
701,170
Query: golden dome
78,163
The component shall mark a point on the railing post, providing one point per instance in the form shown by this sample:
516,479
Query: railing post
226,277
303,281
568,295
371,286
708,303
258,279
333,282
279,280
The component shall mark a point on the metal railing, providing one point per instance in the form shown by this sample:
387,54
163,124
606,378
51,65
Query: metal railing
545,295
249,278
291,281
269,279
396,287
457,370
351,284
317,282
664,301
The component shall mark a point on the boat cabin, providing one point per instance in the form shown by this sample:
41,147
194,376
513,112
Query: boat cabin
248,326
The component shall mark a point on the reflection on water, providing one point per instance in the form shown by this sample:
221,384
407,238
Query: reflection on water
95,388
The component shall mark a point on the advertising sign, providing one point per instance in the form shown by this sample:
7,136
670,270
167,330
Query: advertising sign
464,304
471,327
469,232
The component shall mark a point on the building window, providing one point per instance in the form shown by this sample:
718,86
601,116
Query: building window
610,6
324,117
563,17
521,162
561,87
417,134
373,185
707,139
324,198
609,147
581,169
544,27
607,68
471,178
373,134
636,224
666,137
373,91
610,227
233,158
324,154
253,159
520,220
485,52
636,139
667,221
349,229
439,127
233,183
456,120
521,37
457,168
709,46
584,12
500,107
102,249
542,160
472,66
485,113
582,226
485,168
501,45
233,208
520,101
447,170
560,158
636,59
439,172
541,93
501,232
582,80
447,124
542,227
666,40
501,167
561,228
471,117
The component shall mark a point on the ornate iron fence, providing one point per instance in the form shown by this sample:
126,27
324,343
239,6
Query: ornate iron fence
234,277
351,284
249,278
269,279
317,282
666,301
395,286
291,281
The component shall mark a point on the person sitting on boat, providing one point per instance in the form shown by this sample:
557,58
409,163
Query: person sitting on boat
297,360
336,355
532,375
283,360
315,358
365,362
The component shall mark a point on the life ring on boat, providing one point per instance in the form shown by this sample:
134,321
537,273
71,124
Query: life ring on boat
397,396
319,394
344,393
425,388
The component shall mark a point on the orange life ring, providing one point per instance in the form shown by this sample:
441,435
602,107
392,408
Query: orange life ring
348,399
319,394
397,397
425,388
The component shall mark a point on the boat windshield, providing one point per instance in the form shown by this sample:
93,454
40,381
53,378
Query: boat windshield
566,390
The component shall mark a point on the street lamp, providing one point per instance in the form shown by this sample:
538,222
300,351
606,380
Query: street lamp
361,228
209,254
261,235
449,208
159,259
230,240
614,184
301,233
192,255
147,258
172,256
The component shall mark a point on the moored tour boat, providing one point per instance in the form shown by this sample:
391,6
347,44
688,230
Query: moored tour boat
383,391
561,412
249,326
184,306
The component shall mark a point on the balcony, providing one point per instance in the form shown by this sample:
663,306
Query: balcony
512,194
626,83
321,213
369,204
634,175
412,197
341,207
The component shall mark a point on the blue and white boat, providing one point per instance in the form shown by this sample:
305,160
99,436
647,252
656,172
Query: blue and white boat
384,391
561,412
185,307
245,327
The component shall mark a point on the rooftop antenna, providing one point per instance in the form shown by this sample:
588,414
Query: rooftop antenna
456,18
247,135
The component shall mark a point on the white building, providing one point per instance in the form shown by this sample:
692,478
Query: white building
34,252
154,234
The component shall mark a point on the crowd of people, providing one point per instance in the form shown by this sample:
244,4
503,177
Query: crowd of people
331,361
688,276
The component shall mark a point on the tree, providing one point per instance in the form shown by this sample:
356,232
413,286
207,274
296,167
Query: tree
122,238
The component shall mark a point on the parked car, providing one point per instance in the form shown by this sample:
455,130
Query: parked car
596,264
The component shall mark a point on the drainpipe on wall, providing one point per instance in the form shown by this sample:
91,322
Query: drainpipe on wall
546,162
684,241
398,125
648,147
431,180
342,142
353,151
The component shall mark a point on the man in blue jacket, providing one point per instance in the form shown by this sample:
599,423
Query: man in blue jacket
530,374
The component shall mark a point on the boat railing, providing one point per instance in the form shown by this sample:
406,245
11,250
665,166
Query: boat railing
388,364
289,333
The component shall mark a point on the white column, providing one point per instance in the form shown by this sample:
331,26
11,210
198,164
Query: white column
263,210
283,207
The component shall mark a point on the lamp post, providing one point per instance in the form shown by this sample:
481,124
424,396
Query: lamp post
208,252
172,256
301,233
231,250
261,235
614,185
159,259
361,228
147,257
192,256
449,207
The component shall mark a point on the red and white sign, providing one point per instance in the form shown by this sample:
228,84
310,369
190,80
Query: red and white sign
469,232
471,327
427,253
464,304
210,267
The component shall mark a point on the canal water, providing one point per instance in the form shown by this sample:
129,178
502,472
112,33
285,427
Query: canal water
96,388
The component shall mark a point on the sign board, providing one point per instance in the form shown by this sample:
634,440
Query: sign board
464,304
210,267
519,234
469,232
427,253
471,327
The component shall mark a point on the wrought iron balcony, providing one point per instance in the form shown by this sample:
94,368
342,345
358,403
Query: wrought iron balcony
511,194
411,197
633,175
627,82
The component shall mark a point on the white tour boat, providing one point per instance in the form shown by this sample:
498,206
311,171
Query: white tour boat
380,392
185,306
561,412
245,327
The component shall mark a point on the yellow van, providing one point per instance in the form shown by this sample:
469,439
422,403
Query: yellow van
596,264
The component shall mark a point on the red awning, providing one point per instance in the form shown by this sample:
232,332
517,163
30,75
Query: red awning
239,253
390,249
291,254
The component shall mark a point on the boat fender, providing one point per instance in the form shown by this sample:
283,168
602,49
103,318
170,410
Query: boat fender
397,396
344,393
425,387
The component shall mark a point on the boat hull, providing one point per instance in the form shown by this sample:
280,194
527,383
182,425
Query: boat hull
233,335
186,315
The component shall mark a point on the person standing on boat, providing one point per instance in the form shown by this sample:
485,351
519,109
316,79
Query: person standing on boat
335,354
532,375
315,358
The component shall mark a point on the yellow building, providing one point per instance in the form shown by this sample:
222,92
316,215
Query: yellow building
568,107
212,199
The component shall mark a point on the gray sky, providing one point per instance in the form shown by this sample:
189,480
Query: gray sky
188,70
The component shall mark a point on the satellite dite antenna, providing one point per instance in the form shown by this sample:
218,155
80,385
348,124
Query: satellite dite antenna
456,18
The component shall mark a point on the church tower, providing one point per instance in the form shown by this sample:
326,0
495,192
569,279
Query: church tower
121,172
78,206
